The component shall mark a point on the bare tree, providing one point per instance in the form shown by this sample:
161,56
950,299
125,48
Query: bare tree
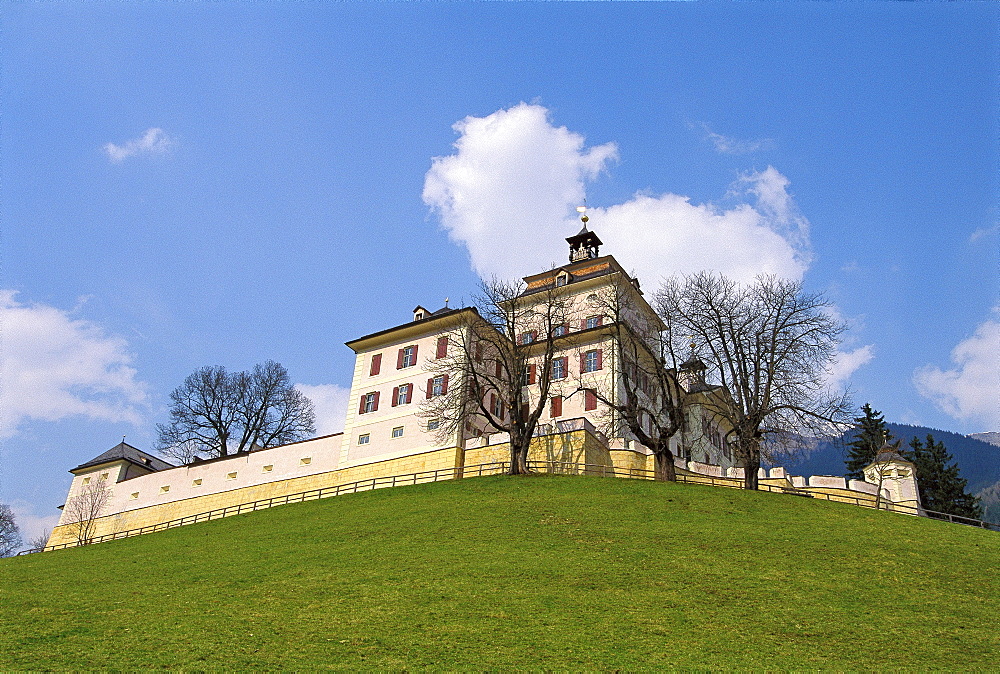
499,366
645,398
85,508
10,534
40,541
771,346
214,413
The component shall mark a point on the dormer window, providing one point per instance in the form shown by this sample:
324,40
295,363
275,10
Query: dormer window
420,313
562,278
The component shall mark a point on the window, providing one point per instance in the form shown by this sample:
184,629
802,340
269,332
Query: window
305,460
590,400
433,424
231,476
442,347
267,469
590,361
397,432
164,489
437,386
529,337
592,322
479,352
561,280
402,394
196,483
555,409
407,357
560,367
376,365
559,331
369,403
528,375
363,439
496,406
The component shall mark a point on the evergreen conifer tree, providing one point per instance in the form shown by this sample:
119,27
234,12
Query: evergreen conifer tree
941,488
871,434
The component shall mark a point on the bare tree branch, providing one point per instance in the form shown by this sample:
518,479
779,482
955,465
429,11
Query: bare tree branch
86,507
499,367
771,346
214,412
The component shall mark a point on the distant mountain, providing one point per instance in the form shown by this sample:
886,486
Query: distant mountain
992,437
978,460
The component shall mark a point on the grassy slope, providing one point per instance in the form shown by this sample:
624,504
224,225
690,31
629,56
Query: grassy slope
538,572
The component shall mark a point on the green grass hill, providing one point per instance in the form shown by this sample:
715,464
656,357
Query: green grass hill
518,573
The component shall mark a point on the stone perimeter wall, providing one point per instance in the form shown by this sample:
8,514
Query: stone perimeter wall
572,447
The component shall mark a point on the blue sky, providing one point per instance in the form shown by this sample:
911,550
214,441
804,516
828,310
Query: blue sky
186,184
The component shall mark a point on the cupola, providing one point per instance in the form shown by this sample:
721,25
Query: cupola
585,245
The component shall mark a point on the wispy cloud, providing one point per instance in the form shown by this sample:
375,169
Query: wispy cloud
971,389
153,141
729,145
983,232
55,366
509,191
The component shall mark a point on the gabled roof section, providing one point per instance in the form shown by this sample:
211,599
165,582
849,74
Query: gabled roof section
577,271
126,452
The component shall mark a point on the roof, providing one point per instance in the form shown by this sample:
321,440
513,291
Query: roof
126,452
578,271
433,316
889,453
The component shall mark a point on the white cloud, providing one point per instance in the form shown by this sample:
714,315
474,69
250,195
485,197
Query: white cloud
30,524
330,403
54,366
509,192
970,390
846,363
153,141
729,145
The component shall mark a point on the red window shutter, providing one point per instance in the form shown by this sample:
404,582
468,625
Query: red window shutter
583,363
409,393
600,320
556,410
415,348
399,360
430,387
493,402
600,359
531,374
395,395
525,412
361,409
590,400
583,323
375,406
534,335
444,385
499,368
442,347
479,352
376,364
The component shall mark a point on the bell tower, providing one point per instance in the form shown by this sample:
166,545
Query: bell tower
585,245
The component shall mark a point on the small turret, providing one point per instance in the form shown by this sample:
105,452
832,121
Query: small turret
894,473
585,245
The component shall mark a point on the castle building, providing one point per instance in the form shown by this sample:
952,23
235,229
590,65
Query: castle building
580,327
